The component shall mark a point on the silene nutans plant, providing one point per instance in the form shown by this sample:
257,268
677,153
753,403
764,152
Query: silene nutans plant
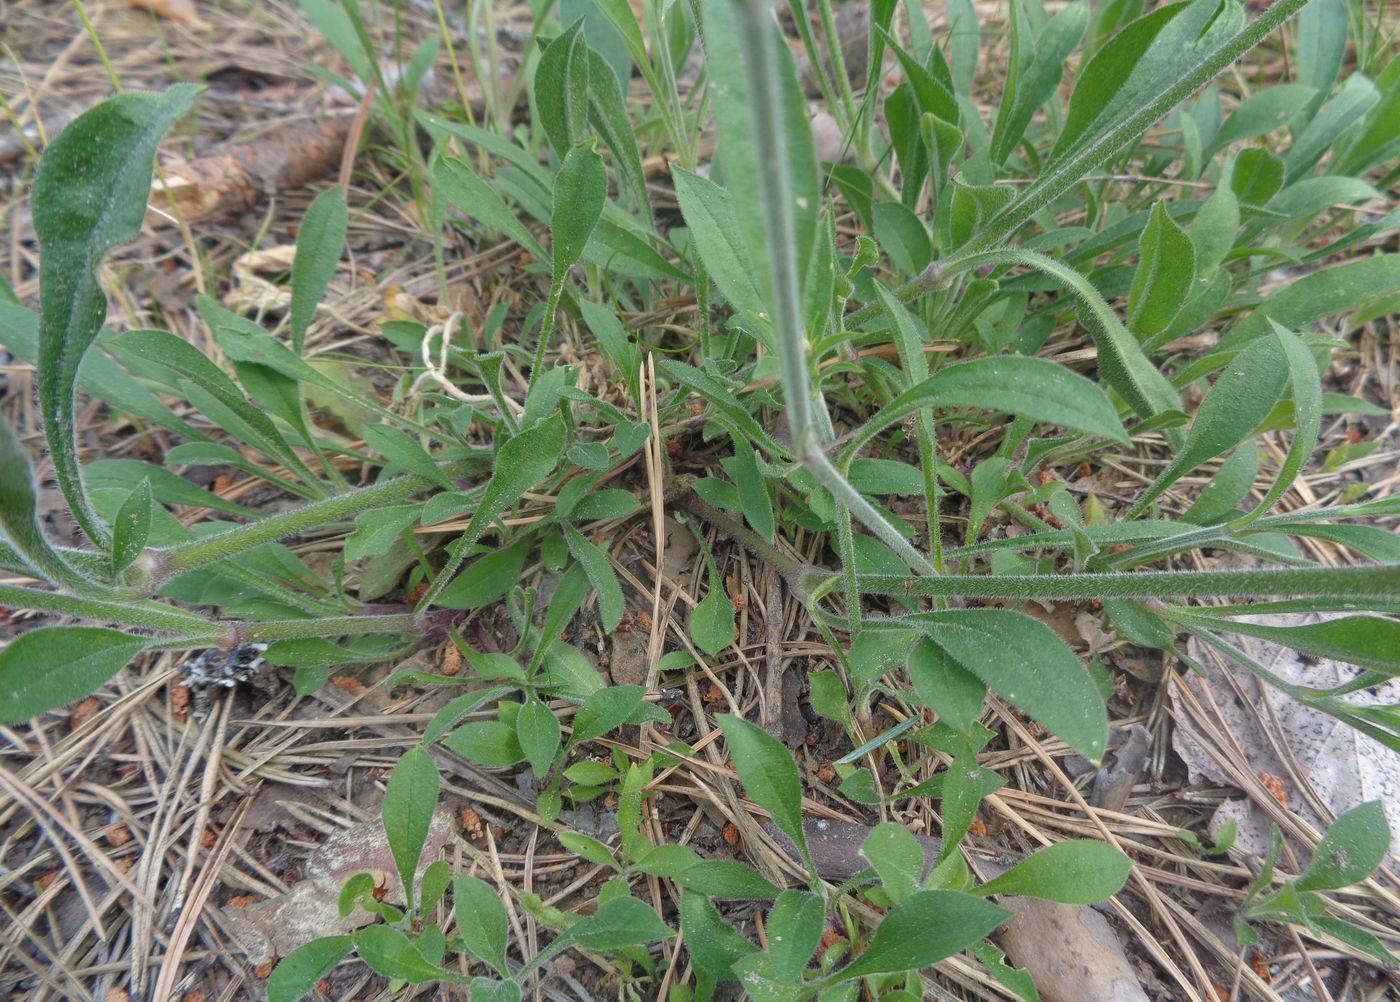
1096,236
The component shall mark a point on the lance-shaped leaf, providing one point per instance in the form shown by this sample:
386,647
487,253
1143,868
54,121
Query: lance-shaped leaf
580,191
319,244
54,665
89,196
1166,268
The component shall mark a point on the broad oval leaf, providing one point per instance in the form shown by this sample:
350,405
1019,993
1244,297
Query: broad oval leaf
481,920
89,196
925,928
486,742
1353,847
538,732
768,773
714,944
1029,666
580,192
604,710
1166,269
296,974
54,665
1080,872
712,619
389,952
409,802
723,878
794,931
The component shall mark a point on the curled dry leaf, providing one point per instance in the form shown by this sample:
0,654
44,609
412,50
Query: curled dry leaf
1337,768
179,11
310,908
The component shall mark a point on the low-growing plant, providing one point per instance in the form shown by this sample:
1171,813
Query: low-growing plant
988,241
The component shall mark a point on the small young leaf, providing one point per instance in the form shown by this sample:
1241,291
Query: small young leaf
768,773
132,528
1356,843
409,802
1257,177
580,192
537,729
561,88
320,242
486,742
922,930
53,665
589,848
89,196
1081,872
897,858
712,619
296,974
1165,271
753,490
481,920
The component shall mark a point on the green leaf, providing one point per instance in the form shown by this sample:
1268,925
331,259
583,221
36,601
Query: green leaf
608,114
521,463
19,512
54,665
561,88
795,925
486,742
667,860
712,619
1166,269
589,848
1372,642
409,802
1328,293
1356,843
714,944
580,192
619,923
604,711
1039,81
768,773
296,974
132,528
538,731
1306,384
1229,486
395,445
481,920
903,236
753,490
945,686
1263,113
1320,45
721,878
389,952
486,578
1358,96
460,185
1257,176
601,575
320,241
709,214
897,857
744,51
1242,397
922,930
1027,387
490,990
1214,228
1028,665
89,196
1080,872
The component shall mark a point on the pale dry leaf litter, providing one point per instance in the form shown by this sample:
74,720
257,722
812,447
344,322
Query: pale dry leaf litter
1326,765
